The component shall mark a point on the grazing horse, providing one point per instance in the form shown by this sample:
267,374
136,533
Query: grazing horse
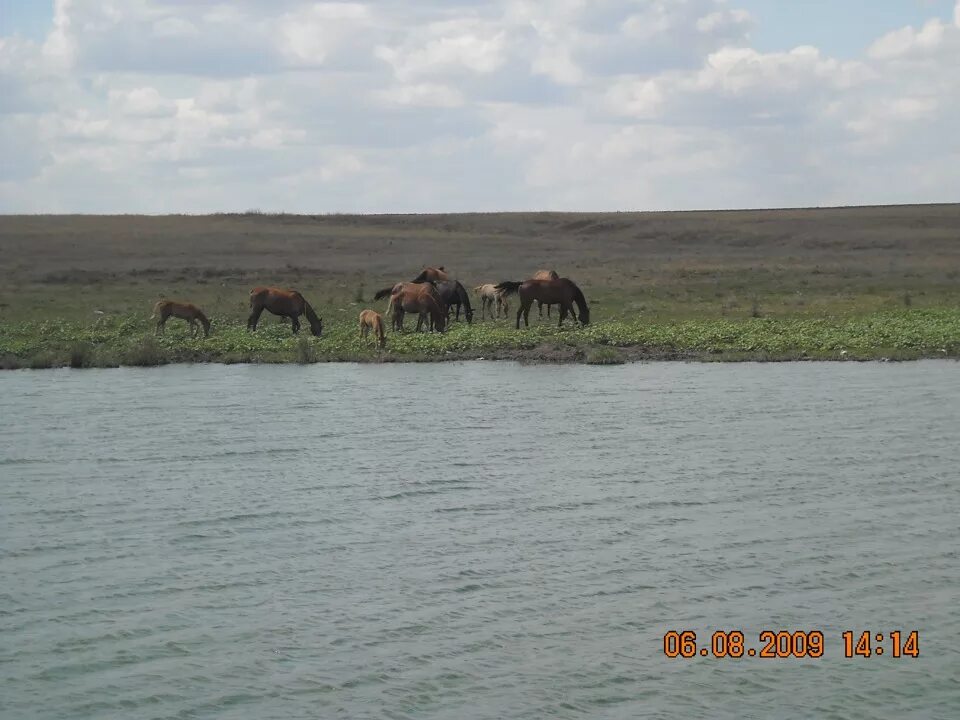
285,303
453,293
187,311
562,292
372,320
544,275
429,274
422,299
490,296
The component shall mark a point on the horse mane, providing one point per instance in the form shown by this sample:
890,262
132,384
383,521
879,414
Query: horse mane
385,292
316,322
580,300
464,296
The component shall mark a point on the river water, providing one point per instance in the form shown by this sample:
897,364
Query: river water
476,540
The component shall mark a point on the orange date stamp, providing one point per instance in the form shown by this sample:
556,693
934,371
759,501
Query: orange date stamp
780,644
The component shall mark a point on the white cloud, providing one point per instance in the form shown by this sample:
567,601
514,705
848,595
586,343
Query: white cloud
142,102
168,105
448,46
421,94
909,41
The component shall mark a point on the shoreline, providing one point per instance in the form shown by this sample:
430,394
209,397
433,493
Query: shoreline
626,356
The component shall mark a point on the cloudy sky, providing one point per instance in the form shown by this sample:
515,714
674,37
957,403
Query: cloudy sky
449,105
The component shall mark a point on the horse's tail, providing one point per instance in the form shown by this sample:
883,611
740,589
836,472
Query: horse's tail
316,323
581,302
390,305
381,294
508,287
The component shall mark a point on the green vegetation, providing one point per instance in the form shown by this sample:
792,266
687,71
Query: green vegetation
902,334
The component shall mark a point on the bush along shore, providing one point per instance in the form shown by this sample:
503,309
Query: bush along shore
116,341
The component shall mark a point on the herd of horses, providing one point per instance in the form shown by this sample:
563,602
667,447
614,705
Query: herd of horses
432,295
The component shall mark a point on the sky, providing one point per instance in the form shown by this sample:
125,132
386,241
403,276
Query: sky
160,106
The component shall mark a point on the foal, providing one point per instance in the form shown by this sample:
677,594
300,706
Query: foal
489,295
186,311
372,320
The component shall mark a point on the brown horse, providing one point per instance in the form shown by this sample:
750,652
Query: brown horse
544,275
432,274
372,320
421,299
285,303
429,274
396,311
187,311
562,292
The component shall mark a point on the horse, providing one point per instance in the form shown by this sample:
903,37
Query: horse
285,303
432,274
397,312
562,292
372,320
453,293
490,296
429,274
421,299
186,311
544,275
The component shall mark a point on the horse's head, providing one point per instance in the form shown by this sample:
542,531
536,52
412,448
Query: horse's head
316,326
469,314
585,316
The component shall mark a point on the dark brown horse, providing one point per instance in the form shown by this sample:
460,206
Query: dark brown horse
421,299
429,274
562,292
285,303
453,295
186,311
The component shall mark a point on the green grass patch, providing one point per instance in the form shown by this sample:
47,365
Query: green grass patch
129,340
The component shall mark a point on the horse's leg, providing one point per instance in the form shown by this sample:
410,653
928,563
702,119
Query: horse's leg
563,314
540,308
524,310
160,326
548,311
295,319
